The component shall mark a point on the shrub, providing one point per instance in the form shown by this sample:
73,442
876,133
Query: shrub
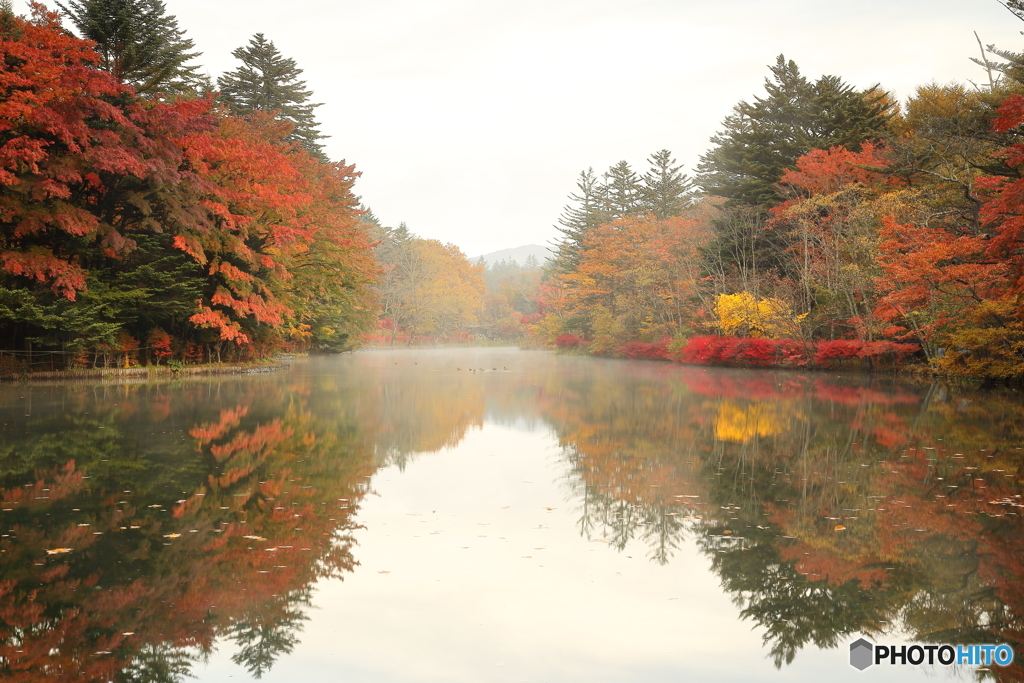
742,352
569,341
637,350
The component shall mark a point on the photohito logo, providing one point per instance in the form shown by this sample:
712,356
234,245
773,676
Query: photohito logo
864,653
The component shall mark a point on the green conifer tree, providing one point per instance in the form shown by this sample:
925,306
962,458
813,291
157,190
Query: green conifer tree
267,81
587,211
666,191
622,191
8,27
140,44
762,139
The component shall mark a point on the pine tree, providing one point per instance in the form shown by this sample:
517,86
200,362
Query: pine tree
761,140
623,194
666,191
269,82
588,213
1015,6
8,26
140,44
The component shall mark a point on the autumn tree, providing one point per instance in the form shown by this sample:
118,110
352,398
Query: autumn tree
427,288
396,254
986,271
332,277
267,81
140,44
833,225
449,291
93,190
121,215
511,299
637,279
744,314
761,139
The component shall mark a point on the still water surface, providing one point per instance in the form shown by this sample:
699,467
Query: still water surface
395,516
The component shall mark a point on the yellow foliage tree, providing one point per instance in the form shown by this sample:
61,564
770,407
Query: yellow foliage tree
745,314
449,291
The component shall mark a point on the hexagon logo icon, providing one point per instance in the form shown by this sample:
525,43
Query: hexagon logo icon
861,654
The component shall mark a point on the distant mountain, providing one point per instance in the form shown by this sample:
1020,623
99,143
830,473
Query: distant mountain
518,254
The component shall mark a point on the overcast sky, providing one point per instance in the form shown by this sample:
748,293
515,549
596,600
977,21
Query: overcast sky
470,119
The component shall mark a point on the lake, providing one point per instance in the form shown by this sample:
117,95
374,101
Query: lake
503,515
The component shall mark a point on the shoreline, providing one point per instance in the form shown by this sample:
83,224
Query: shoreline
147,373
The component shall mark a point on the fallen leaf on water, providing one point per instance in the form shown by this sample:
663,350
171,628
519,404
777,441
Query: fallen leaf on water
58,551
839,527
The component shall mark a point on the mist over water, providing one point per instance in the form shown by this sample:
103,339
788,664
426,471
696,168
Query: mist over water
488,514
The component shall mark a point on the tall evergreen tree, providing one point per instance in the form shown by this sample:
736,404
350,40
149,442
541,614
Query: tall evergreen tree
8,26
267,81
622,190
587,211
762,139
666,191
140,44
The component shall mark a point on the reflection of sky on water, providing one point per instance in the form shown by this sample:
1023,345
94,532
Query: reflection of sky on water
475,591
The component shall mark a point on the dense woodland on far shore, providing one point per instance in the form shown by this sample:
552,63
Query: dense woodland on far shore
826,227
152,216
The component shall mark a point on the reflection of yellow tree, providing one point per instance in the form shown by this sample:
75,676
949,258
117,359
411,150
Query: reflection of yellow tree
741,422
827,506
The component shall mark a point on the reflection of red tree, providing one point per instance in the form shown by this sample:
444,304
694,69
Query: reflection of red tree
173,575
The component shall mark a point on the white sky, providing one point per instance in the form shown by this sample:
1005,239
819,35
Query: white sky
470,120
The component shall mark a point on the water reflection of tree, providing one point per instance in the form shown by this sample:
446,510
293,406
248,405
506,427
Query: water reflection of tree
828,507
126,554
158,664
270,630
620,521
